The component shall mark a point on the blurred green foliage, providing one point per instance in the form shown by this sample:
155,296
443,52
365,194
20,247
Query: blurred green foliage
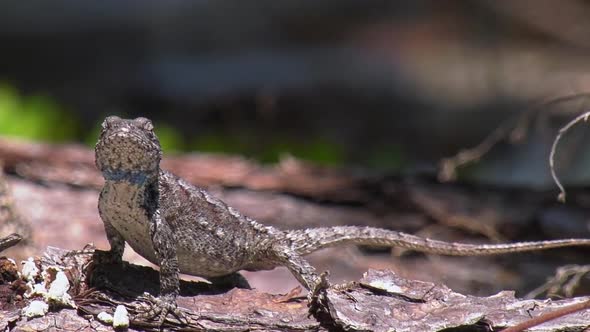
270,150
34,117
386,158
39,117
170,138
318,151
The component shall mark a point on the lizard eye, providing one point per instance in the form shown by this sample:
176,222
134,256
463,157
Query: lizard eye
109,121
144,123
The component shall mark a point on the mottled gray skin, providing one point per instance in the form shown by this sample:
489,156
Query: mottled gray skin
182,228
174,224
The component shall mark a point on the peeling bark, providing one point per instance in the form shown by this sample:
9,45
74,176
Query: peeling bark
380,301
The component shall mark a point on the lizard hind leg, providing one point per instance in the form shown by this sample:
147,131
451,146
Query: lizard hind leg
304,272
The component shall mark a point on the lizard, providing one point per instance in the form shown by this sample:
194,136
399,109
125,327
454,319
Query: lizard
184,229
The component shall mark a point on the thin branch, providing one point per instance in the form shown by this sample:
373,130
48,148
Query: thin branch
584,116
513,128
548,316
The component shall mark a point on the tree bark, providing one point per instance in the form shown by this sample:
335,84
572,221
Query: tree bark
380,301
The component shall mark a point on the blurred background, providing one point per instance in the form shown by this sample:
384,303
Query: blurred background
377,84
376,87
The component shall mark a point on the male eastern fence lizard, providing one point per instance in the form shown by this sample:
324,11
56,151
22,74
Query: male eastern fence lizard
182,228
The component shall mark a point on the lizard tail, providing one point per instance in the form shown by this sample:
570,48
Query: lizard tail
309,240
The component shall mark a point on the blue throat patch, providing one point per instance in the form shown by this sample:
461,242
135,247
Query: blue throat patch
137,178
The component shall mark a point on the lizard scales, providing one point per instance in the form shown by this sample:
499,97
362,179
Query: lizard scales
182,228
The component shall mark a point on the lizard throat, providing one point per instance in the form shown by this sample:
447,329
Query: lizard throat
132,177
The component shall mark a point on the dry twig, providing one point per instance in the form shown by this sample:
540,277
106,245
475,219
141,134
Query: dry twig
545,317
565,281
564,129
515,129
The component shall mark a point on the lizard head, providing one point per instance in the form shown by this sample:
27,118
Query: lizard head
127,149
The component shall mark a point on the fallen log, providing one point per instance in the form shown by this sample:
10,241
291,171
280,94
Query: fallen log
380,301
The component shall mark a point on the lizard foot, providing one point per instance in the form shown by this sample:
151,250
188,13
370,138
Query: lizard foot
314,294
159,309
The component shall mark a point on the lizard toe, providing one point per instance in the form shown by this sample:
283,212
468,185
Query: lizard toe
159,309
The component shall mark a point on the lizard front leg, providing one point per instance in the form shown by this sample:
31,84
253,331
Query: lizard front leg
103,258
165,248
116,241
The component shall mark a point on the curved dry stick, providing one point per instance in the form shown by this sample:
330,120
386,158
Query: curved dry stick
448,166
549,316
563,130
9,241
